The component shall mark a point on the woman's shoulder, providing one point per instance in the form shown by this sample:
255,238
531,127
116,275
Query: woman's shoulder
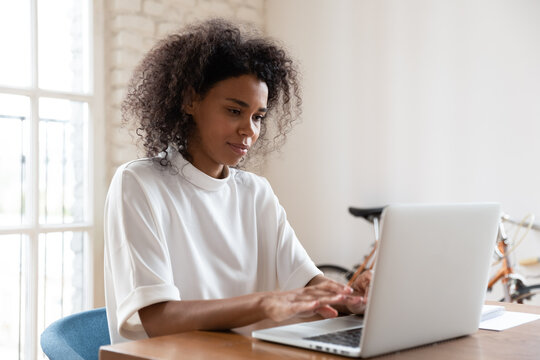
137,164
251,181
142,169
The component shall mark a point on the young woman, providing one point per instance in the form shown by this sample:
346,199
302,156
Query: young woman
191,241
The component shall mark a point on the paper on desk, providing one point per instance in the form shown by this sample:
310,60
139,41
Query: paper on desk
507,320
491,311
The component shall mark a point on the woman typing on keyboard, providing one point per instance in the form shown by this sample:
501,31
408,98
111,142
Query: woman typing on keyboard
191,241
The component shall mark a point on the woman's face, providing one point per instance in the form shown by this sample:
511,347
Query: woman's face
228,120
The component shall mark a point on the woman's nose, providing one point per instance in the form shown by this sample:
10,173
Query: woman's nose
248,127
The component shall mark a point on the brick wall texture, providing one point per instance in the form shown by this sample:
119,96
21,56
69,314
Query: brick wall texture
132,27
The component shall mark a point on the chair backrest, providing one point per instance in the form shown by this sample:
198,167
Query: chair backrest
76,336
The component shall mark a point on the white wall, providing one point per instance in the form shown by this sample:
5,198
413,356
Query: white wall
314,176
408,101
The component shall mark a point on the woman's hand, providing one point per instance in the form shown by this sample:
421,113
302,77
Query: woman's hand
361,288
313,299
355,302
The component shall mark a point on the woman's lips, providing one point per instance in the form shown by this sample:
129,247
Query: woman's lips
239,149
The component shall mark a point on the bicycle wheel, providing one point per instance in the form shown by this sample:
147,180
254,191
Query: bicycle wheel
336,272
526,293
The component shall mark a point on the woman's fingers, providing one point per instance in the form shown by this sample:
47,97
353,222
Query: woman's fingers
319,293
326,311
333,293
280,306
361,284
333,286
359,308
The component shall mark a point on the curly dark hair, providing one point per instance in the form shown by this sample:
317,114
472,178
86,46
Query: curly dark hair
194,60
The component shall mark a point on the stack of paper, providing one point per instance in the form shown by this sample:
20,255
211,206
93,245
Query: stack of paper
494,317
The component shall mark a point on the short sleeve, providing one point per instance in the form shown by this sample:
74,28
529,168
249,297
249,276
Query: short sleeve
137,256
293,265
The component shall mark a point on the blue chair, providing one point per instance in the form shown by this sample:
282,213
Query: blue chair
76,336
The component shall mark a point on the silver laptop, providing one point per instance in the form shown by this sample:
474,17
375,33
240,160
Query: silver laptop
429,283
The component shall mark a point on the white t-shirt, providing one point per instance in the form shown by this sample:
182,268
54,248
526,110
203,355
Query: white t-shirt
183,235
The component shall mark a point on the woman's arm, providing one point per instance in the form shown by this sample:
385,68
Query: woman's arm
176,316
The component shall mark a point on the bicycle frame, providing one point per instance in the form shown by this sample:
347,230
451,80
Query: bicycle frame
512,282
506,271
372,216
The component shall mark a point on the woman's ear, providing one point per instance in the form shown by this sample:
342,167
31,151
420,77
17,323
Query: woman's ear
190,101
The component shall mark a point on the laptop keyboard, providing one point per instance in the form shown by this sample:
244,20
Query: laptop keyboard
349,337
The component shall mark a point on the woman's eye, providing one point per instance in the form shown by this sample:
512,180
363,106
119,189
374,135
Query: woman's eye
234,111
259,117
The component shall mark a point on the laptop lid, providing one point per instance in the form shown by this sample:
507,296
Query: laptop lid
430,275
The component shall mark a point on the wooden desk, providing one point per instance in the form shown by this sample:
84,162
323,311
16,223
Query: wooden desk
521,342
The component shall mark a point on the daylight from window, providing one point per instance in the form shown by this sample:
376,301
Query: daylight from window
44,180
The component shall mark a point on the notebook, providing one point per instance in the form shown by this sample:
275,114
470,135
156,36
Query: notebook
429,283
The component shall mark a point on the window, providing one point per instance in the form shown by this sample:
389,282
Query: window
46,219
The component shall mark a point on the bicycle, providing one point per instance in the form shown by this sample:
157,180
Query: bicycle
514,285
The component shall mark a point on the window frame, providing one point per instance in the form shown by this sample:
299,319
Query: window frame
96,178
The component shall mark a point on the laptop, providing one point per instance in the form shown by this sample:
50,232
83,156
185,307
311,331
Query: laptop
429,283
